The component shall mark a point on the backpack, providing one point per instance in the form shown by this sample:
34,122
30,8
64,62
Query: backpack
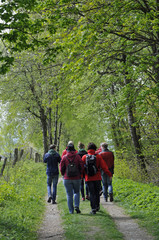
72,170
91,168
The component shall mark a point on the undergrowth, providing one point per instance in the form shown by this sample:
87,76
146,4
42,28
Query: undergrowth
22,191
141,201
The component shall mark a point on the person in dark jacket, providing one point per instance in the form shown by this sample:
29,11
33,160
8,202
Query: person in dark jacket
52,158
108,157
72,184
94,182
82,152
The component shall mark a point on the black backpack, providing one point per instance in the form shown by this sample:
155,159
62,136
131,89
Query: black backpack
90,167
72,169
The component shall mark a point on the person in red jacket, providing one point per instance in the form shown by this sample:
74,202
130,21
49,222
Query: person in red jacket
108,157
72,183
94,182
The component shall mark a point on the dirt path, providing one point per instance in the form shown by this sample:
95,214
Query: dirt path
51,227
125,224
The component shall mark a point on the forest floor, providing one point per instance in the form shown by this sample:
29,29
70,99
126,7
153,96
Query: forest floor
52,229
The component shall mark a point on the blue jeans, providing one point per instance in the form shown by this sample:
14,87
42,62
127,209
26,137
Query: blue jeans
107,185
72,190
52,180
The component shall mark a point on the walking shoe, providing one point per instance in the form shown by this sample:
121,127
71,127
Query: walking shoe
77,210
87,197
49,199
106,199
83,199
54,202
97,209
100,192
93,212
111,197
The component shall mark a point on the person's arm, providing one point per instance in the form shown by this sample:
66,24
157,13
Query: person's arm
45,158
104,166
62,166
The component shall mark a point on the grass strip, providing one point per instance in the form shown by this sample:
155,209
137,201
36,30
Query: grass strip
141,202
86,226
22,201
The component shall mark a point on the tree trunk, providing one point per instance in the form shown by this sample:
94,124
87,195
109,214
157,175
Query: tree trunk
132,127
50,126
43,119
59,135
56,123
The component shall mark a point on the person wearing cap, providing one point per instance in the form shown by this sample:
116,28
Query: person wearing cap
72,184
65,151
52,158
108,157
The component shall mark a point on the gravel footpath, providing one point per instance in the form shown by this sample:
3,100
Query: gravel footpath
125,224
51,227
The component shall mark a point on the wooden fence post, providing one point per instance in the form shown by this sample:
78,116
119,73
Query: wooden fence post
21,153
36,157
15,156
3,167
31,153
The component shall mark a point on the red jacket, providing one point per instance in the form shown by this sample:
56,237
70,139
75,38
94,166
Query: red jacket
77,160
98,150
100,164
108,157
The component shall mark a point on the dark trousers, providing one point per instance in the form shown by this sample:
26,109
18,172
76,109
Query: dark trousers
82,187
94,189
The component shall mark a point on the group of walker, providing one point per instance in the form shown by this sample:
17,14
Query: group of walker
74,184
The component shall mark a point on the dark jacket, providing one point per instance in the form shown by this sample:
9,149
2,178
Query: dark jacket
52,158
82,152
100,164
64,163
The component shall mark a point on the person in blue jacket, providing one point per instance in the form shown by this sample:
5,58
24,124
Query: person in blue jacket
52,158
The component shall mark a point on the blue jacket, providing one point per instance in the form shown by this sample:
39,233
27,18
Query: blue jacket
52,158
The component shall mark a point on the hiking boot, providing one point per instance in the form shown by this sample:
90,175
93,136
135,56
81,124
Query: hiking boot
77,210
93,212
49,199
97,209
106,199
111,197
87,197
54,202
101,192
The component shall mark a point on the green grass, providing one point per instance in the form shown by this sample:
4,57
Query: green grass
141,201
86,226
22,201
